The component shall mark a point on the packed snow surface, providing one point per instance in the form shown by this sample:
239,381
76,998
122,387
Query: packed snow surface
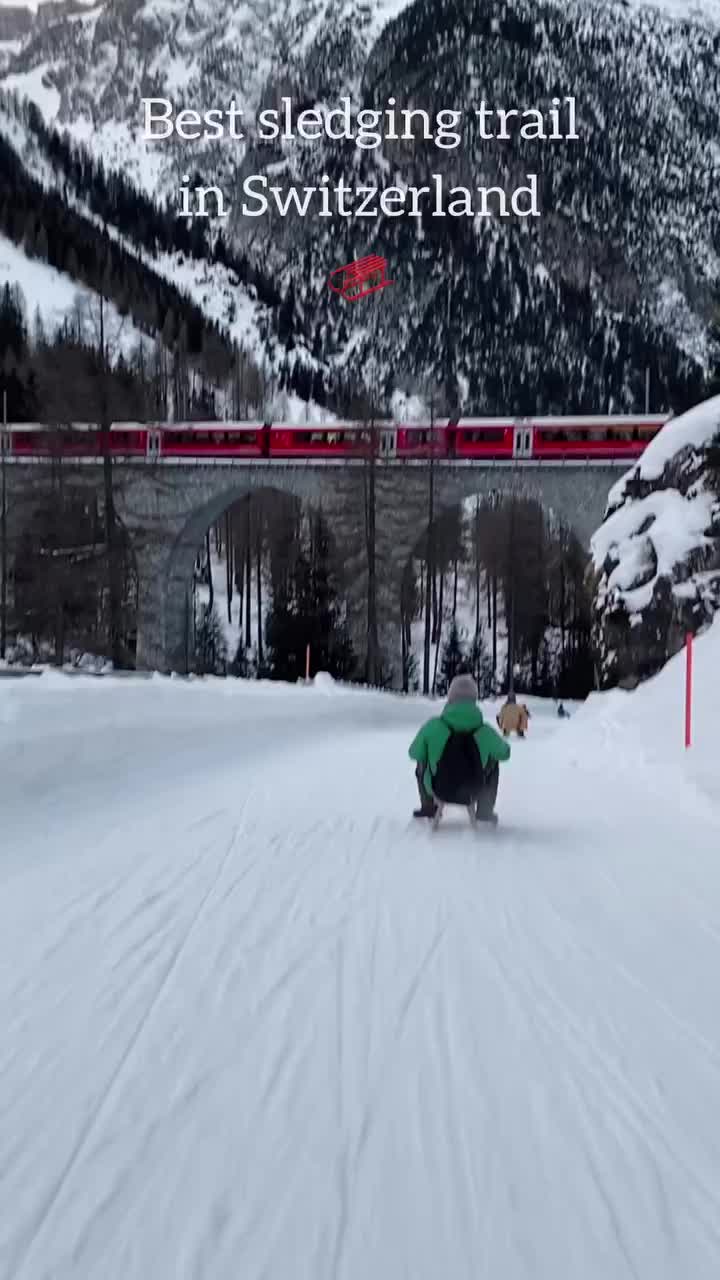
258,1023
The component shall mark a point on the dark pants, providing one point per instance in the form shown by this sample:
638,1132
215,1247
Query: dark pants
486,797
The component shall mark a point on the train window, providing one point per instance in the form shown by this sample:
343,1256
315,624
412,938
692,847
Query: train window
485,435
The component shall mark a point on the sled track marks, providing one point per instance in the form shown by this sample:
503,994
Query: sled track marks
543,1007
352,1152
20,1266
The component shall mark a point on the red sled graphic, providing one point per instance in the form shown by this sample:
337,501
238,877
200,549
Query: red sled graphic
359,278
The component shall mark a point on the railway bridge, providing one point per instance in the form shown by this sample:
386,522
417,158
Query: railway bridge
167,506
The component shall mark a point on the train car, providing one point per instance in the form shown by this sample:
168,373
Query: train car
77,440
619,436
210,440
336,440
419,440
132,439
29,440
492,438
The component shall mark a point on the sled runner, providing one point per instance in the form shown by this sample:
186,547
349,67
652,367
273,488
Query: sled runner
491,821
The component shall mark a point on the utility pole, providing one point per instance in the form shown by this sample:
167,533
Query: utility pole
429,568
3,532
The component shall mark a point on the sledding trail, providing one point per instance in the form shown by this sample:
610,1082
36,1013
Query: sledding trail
257,1022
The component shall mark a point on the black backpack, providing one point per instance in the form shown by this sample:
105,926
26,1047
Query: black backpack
459,777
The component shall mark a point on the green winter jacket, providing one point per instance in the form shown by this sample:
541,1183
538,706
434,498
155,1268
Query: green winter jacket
464,717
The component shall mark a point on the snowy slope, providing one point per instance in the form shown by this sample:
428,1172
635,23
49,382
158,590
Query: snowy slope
57,297
258,1024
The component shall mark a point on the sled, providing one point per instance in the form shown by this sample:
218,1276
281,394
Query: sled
470,810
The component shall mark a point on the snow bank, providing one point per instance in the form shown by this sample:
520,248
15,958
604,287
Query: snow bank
619,730
324,682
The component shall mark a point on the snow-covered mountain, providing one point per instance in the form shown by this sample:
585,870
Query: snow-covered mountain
59,299
616,277
657,554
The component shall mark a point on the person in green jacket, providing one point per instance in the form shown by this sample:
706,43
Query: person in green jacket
461,715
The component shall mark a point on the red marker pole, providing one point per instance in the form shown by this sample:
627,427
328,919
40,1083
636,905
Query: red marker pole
688,688
307,662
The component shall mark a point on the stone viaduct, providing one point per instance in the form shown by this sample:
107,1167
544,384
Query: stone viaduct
166,509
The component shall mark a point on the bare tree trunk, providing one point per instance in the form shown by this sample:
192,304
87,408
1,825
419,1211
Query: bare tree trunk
59,633
434,606
208,565
3,531
372,672
111,540
455,585
258,573
228,564
562,605
429,572
439,632
248,581
404,650
494,625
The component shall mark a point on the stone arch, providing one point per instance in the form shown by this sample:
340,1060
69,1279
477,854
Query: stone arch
575,495
181,559
186,504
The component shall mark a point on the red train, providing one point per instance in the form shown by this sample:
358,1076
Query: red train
553,439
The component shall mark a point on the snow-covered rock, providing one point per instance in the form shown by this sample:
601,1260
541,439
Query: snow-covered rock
656,557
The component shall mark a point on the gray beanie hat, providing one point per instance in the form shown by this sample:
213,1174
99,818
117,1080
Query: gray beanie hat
462,689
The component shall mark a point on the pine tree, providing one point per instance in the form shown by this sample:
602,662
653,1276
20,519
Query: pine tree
210,645
481,666
453,658
304,611
241,665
